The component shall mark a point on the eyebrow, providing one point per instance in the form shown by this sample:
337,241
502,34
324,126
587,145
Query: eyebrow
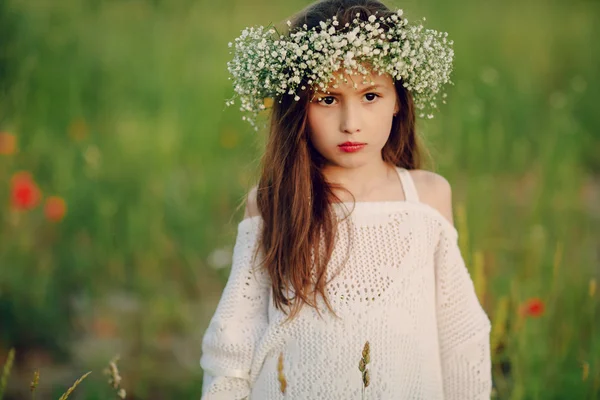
367,89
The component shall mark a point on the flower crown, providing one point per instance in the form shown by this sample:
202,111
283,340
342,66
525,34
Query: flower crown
267,65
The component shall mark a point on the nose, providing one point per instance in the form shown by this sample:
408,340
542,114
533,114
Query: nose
350,117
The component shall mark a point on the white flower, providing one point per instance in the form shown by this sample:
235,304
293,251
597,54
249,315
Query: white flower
350,36
220,258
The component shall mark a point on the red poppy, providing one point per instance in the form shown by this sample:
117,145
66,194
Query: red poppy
25,194
533,307
55,208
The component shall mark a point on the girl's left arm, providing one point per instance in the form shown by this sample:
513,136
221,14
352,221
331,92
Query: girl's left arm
463,326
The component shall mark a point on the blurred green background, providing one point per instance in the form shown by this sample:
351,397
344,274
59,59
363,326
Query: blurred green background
117,107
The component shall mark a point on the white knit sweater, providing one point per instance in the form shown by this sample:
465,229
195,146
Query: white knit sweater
404,289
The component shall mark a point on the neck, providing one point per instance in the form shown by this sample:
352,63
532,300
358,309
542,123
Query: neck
363,181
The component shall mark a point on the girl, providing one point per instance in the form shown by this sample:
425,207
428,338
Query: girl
347,281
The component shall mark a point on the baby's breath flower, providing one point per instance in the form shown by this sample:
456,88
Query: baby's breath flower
266,64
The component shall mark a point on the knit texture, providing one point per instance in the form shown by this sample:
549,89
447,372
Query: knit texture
408,326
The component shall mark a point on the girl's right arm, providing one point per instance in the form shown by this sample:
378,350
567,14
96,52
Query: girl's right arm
239,320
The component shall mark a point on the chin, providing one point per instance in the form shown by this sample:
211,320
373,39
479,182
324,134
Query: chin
354,161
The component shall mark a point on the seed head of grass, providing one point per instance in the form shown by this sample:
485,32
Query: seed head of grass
72,388
6,371
280,375
35,382
366,350
366,378
114,378
362,365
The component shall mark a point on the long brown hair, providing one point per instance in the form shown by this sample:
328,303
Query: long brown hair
293,196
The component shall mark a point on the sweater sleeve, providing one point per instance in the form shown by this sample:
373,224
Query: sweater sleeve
238,322
463,326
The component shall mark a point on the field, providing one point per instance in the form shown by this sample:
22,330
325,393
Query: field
130,171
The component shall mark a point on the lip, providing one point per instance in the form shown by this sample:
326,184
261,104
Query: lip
351,147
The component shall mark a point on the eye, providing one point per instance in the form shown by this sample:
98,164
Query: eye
328,100
371,97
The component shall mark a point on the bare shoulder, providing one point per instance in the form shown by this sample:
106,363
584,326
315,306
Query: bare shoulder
251,204
434,190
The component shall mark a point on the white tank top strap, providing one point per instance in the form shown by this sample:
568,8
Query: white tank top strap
408,185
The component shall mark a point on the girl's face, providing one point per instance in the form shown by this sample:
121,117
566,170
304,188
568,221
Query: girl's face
349,126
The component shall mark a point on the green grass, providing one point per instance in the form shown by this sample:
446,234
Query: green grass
118,107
